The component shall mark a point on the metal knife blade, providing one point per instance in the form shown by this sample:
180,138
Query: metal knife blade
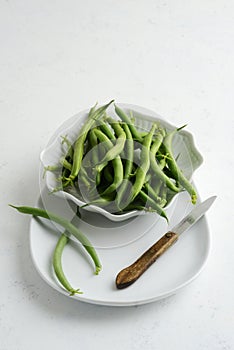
130,274
194,215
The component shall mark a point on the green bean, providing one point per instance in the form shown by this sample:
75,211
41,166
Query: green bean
143,133
101,149
116,162
107,131
154,195
148,177
155,147
92,139
161,175
68,226
70,151
84,178
167,149
85,172
162,163
65,173
161,158
152,204
123,116
144,164
157,141
170,174
94,152
176,171
57,264
64,162
156,185
108,176
163,192
122,193
113,152
115,125
79,144
51,168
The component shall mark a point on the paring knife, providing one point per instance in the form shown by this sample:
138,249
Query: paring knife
130,274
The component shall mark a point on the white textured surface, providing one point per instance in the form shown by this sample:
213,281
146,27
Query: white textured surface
59,57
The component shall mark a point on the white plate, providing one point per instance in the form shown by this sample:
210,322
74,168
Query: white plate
119,244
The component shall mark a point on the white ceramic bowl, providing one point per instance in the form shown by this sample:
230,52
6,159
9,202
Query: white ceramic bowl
183,145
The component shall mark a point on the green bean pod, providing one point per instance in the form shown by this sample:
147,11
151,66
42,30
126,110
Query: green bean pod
176,171
161,175
94,152
157,141
108,176
115,125
107,131
123,116
79,144
70,150
64,162
68,226
113,152
167,149
57,264
144,164
152,204
84,179
116,162
123,193
151,193
161,158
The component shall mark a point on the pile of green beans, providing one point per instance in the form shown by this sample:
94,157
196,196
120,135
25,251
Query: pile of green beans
115,165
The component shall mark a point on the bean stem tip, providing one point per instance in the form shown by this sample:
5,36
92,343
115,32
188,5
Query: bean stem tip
75,291
98,269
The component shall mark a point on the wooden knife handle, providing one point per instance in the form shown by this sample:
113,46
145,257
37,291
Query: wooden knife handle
130,274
